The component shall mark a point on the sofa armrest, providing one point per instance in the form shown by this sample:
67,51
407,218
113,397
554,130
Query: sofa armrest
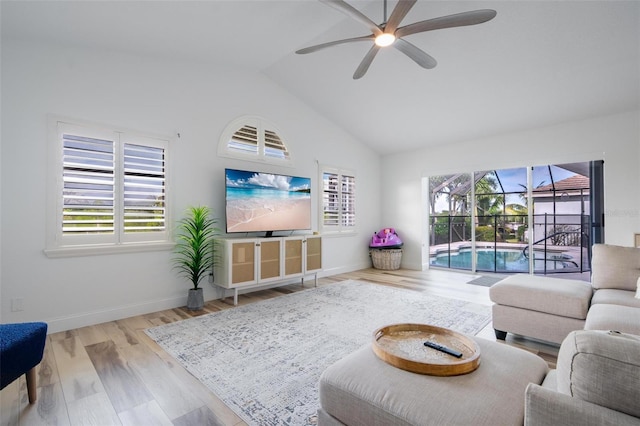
601,367
545,407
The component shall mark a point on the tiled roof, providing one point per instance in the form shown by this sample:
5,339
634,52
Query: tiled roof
572,183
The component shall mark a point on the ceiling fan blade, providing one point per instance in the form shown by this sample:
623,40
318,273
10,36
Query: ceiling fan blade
458,20
418,55
366,61
317,47
354,14
399,12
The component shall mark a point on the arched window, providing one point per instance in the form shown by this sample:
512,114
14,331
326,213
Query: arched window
255,139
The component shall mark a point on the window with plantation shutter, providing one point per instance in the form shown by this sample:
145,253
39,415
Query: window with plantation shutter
108,189
254,139
338,201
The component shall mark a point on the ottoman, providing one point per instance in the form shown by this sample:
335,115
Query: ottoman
361,389
21,350
540,307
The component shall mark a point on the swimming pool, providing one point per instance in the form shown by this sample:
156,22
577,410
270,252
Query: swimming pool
501,260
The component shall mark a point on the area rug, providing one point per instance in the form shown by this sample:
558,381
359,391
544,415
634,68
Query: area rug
485,281
264,359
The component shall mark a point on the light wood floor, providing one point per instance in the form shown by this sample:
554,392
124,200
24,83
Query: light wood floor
112,373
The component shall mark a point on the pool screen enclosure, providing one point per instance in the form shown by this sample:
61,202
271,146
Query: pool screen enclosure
540,219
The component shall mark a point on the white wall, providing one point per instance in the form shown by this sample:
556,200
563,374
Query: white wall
616,139
158,97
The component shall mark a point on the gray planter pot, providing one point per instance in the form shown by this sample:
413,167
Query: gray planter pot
195,300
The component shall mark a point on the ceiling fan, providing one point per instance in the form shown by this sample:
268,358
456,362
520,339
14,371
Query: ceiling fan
389,33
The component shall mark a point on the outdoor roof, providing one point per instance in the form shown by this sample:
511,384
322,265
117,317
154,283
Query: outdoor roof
568,184
515,180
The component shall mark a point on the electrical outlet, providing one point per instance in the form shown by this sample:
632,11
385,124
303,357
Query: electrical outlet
17,304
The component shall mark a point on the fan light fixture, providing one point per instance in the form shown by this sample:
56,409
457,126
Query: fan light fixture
389,32
385,39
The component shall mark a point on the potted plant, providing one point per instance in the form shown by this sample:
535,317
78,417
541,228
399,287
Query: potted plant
194,250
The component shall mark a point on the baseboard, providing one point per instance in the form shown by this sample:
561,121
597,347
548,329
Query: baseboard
344,269
97,317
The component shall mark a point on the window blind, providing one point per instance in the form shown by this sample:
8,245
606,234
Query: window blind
144,188
273,146
348,194
253,137
244,140
338,201
330,200
88,185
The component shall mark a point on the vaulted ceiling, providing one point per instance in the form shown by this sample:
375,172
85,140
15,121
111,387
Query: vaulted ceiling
538,63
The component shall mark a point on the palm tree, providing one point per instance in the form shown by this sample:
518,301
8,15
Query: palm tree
488,201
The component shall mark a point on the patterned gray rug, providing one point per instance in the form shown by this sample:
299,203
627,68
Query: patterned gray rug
264,359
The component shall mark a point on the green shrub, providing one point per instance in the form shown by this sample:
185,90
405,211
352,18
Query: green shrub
486,233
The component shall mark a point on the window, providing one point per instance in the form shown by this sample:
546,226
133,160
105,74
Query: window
535,219
254,139
109,190
338,201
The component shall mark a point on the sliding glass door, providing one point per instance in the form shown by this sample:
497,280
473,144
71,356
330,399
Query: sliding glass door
501,220
450,228
562,220
515,220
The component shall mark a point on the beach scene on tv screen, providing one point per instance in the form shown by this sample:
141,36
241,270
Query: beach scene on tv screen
259,202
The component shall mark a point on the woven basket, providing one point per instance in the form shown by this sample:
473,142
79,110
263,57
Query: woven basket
388,259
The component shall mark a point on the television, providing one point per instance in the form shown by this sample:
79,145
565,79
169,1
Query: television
266,202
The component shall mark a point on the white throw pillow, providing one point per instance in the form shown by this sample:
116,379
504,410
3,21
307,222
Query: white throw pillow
638,289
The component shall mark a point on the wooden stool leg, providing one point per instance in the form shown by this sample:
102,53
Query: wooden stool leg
31,385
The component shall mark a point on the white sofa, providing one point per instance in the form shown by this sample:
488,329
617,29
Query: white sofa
597,381
549,308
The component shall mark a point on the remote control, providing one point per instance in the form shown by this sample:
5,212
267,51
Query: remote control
444,349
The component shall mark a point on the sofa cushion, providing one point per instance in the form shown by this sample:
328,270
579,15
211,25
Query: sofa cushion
613,317
615,267
361,389
614,296
557,296
601,367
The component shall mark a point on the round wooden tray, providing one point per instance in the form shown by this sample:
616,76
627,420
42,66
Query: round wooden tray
402,345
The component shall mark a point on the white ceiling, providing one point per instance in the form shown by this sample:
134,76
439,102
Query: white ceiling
536,64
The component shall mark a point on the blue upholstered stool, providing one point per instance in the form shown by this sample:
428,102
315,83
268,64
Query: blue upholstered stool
21,350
